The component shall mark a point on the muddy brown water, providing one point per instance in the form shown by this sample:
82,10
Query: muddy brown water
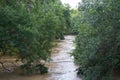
61,67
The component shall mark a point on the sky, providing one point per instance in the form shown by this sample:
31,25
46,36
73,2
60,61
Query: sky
72,3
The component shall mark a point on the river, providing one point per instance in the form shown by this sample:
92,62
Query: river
61,67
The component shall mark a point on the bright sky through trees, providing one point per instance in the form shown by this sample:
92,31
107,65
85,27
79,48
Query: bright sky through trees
72,3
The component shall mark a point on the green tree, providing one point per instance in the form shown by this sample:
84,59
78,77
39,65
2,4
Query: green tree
67,18
98,48
27,28
75,21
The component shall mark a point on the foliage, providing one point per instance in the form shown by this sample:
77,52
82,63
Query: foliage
75,19
27,28
98,42
67,18
36,69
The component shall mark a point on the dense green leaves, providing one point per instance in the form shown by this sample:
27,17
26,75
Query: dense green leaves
27,28
75,21
98,48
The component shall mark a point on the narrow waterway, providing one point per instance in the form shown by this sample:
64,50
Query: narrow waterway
61,67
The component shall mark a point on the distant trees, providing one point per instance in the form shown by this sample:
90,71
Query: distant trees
98,41
67,19
75,21
27,28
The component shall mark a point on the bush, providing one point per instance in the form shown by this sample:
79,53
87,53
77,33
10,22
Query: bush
98,41
27,28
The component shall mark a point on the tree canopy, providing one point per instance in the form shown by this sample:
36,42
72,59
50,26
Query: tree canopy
98,41
27,28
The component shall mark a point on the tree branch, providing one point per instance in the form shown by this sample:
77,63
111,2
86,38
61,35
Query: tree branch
4,67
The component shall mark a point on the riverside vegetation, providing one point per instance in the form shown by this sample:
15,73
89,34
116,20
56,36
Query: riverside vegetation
28,28
98,42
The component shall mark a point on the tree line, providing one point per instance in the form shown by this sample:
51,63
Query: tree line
98,41
27,28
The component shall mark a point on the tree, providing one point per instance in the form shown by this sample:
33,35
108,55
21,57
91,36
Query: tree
27,28
98,48
75,21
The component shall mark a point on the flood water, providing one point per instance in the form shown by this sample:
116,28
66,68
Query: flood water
61,67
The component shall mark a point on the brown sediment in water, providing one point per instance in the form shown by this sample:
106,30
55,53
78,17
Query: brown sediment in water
61,67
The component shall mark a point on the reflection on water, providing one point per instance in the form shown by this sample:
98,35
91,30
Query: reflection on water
61,67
